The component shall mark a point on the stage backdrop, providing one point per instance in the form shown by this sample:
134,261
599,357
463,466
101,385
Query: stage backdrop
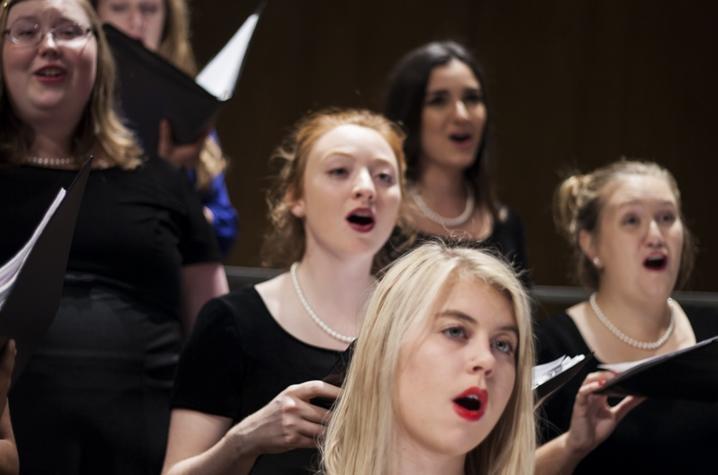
571,84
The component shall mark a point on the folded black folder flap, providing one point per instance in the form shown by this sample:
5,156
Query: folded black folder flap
689,374
35,297
152,88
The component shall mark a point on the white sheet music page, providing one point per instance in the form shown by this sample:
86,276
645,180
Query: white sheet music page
220,75
11,269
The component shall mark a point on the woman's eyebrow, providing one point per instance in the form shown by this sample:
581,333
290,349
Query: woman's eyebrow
450,313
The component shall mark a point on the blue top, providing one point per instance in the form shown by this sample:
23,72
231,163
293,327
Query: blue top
216,198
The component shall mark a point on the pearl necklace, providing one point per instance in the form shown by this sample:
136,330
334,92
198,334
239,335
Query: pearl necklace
53,162
443,220
308,308
641,345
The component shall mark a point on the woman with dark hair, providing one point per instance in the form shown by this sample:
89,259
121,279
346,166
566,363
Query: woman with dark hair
438,95
94,396
625,225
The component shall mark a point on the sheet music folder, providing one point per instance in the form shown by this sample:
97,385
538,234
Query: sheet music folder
544,386
688,374
151,88
34,299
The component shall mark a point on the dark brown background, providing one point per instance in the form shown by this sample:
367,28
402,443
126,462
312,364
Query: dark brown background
571,84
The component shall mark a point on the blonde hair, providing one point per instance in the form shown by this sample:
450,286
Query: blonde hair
360,434
99,130
285,241
578,202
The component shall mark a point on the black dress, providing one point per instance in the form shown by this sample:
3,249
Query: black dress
238,359
657,437
94,397
507,240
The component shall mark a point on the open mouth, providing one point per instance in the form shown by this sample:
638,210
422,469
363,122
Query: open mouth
656,262
50,73
361,220
471,404
460,138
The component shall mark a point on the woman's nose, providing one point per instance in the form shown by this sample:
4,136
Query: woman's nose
654,236
482,359
364,186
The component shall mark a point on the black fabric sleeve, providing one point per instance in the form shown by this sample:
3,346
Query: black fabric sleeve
211,368
198,242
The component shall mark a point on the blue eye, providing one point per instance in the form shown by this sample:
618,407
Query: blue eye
456,333
504,346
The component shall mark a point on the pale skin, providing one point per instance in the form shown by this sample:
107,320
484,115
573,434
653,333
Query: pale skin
453,105
640,218
471,342
335,276
9,463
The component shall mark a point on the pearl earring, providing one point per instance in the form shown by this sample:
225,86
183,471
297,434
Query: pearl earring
596,262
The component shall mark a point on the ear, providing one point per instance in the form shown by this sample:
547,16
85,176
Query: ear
295,205
587,244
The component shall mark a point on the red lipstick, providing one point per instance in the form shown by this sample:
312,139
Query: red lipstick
471,404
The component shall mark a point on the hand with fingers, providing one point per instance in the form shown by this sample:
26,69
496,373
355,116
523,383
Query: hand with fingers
184,156
593,419
288,421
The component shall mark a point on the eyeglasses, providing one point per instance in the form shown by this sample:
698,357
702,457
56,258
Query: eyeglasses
29,33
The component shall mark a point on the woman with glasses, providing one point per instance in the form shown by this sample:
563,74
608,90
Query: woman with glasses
94,396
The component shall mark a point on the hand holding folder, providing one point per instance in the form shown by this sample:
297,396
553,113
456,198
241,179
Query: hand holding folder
549,377
153,89
688,374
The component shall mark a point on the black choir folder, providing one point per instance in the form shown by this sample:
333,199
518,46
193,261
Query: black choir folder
689,374
31,281
152,88
549,377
